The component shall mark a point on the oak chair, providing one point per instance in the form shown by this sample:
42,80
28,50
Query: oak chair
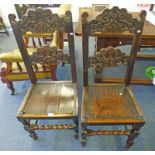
50,100
109,103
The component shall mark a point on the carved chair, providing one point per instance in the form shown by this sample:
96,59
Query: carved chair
109,103
3,27
47,99
13,68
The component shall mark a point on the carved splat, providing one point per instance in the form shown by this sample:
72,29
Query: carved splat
108,57
42,21
114,20
49,55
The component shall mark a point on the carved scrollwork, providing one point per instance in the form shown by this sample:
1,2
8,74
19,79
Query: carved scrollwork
49,55
43,21
108,57
115,20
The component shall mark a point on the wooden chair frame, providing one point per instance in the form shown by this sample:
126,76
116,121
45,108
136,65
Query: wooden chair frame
63,24
110,21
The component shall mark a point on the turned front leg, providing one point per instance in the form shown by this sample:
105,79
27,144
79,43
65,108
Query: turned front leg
134,133
84,134
28,129
76,129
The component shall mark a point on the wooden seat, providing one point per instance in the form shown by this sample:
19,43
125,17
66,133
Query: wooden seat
104,105
55,99
47,99
110,103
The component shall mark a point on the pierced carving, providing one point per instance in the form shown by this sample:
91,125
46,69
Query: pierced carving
43,21
49,55
114,20
108,57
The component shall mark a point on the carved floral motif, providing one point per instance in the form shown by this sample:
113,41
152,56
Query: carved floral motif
49,55
43,21
108,57
114,20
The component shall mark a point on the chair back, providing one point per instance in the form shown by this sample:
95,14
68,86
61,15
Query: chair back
43,21
113,21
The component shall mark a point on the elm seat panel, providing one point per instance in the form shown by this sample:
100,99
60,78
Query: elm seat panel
105,103
48,98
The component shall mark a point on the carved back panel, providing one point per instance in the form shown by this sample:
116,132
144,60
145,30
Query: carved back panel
110,21
113,21
49,55
107,57
43,21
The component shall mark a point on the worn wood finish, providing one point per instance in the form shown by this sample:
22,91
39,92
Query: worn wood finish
110,103
104,104
47,99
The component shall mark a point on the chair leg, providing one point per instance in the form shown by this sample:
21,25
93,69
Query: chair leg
134,133
53,69
10,86
3,73
31,132
84,134
76,129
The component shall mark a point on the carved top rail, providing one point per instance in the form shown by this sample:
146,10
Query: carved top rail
114,20
49,55
42,21
108,57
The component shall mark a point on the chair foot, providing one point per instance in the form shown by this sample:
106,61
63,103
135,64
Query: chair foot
134,133
27,128
129,143
31,132
83,143
10,86
34,136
